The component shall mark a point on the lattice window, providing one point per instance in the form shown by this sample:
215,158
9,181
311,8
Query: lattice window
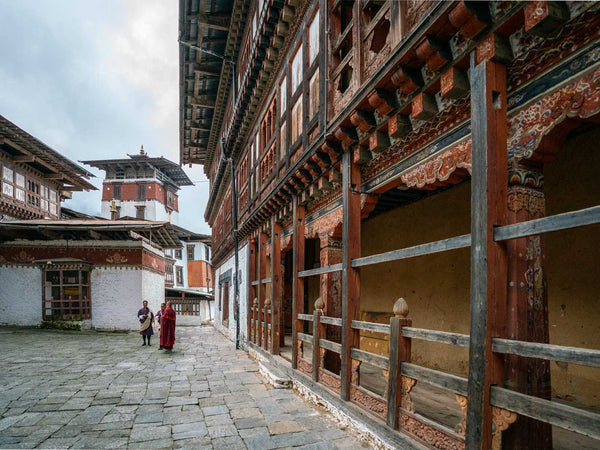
296,120
313,39
297,69
313,95
67,295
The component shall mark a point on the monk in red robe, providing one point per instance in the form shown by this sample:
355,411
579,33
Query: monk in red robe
167,328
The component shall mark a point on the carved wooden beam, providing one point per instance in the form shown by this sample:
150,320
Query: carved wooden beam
424,106
324,184
544,18
435,53
216,21
347,136
322,159
399,126
407,80
26,158
470,18
205,69
364,120
335,176
361,155
379,141
495,48
382,100
332,148
454,83
305,176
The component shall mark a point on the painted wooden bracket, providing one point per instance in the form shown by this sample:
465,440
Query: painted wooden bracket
424,106
454,83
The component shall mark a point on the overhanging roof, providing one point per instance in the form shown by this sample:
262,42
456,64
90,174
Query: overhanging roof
172,170
161,234
204,80
18,142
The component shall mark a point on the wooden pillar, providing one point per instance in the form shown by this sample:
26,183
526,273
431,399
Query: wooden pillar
318,334
488,258
350,276
298,283
330,292
276,286
399,353
527,313
262,273
251,289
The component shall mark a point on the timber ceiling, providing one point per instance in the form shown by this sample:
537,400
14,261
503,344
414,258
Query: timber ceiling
203,24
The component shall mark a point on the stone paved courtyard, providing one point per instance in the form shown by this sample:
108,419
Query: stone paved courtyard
102,390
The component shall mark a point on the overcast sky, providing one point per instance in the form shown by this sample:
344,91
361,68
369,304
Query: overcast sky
96,79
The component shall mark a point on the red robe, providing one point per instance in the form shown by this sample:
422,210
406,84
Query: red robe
167,328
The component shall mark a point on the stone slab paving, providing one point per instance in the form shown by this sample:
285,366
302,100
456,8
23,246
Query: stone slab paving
102,390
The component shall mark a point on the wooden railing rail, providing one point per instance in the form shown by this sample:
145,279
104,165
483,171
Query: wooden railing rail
307,317
330,345
371,358
336,321
451,382
443,245
462,340
573,355
579,218
320,271
564,416
305,337
372,326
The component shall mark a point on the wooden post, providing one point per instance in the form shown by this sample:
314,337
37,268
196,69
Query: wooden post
262,273
488,258
527,310
318,333
276,285
267,311
350,276
330,292
251,289
399,353
298,283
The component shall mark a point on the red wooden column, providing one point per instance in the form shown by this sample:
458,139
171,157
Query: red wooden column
276,285
298,283
262,273
350,276
488,258
330,293
527,315
251,290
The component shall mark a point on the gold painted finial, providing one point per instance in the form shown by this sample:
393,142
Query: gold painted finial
142,152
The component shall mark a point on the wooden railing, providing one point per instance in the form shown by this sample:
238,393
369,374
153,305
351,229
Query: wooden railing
402,375
185,306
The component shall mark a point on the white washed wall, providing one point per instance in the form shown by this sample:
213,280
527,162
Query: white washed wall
153,289
243,293
116,297
20,295
155,210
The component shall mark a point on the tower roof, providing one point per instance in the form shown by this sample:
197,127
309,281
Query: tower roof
171,170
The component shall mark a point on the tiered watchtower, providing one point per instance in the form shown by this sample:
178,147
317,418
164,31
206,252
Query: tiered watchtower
141,186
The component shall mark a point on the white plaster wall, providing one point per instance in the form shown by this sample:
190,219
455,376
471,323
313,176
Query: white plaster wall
182,262
20,295
243,293
153,289
116,297
154,210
